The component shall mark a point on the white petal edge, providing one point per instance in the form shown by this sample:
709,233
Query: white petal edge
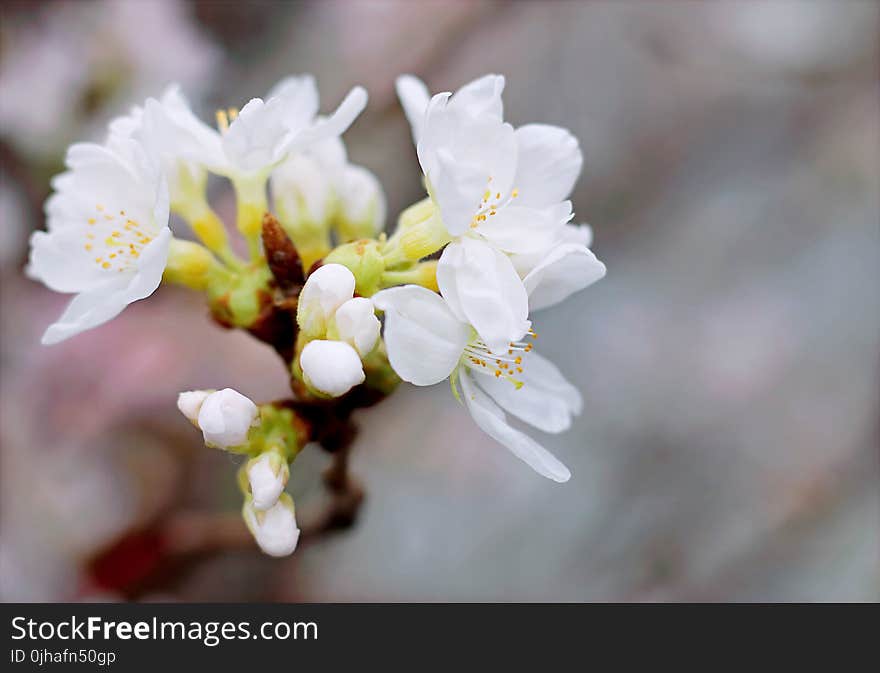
568,268
491,420
414,97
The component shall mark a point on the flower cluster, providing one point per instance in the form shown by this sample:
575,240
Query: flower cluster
320,273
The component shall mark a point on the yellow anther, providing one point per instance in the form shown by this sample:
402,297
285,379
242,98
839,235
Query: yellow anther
233,113
92,220
105,265
222,121
518,360
100,208
515,193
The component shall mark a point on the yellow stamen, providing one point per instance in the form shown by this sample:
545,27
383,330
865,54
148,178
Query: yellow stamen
222,121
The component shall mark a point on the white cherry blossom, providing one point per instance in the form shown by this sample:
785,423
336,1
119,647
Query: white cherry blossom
108,236
427,343
248,143
500,194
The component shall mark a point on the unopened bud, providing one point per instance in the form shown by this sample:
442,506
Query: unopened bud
274,529
189,264
325,290
357,325
361,204
305,202
226,417
190,403
267,475
424,238
331,367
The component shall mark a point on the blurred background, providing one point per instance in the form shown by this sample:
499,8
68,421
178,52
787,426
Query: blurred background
728,449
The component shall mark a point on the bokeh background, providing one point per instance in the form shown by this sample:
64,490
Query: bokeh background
728,449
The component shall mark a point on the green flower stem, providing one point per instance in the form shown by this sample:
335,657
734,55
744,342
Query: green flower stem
193,266
251,205
423,273
210,230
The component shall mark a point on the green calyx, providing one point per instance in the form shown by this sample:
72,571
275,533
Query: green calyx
364,260
280,430
238,299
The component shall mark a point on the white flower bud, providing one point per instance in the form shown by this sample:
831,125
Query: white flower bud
226,417
302,191
190,402
267,474
325,291
331,367
274,529
361,203
357,324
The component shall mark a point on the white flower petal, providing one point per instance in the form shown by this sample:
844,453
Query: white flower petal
326,289
256,137
481,97
520,229
567,269
548,164
361,198
334,125
103,303
226,418
85,311
52,263
170,126
331,367
275,529
581,234
330,153
267,475
462,157
546,399
578,233
190,403
456,186
358,325
482,288
491,420
424,339
302,191
414,97
299,97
